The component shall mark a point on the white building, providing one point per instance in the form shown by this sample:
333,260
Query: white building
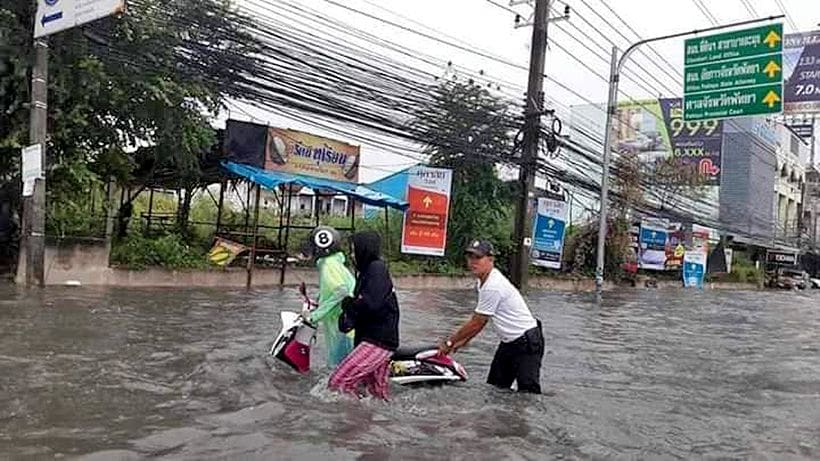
793,155
306,201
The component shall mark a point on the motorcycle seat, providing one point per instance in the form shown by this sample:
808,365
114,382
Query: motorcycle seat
410,352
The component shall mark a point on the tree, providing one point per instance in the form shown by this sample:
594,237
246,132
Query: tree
627,196
672,181
153,78
469,130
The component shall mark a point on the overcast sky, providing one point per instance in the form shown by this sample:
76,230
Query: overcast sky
489,28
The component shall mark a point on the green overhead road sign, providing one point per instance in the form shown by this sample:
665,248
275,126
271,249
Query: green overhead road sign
733,45
734,74
755,100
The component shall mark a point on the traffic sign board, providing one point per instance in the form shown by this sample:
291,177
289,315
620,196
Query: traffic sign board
733,45
753,100
58,15
761,70
734,74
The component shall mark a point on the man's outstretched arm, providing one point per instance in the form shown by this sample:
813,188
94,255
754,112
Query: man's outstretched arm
464,334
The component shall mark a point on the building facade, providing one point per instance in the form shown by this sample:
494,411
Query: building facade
792,159
749,164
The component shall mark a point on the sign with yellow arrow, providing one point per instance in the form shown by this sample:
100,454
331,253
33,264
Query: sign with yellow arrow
734,74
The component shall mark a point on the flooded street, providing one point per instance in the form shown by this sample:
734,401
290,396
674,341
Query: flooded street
184,374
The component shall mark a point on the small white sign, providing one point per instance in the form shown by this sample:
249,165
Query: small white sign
32,162
58,15
28,187
32,166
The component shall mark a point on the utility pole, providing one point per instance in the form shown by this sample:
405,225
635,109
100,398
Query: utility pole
34,216
529,157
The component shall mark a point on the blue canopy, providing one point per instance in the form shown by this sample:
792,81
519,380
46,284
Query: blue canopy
394,185
271,179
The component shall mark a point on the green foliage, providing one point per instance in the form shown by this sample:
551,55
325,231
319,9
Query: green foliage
469,130
169,251
153,77
76,205
580,251
743,271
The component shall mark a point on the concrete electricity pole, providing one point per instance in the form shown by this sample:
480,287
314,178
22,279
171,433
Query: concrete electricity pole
529,156
34,207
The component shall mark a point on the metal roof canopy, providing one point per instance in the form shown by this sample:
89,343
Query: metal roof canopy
273,179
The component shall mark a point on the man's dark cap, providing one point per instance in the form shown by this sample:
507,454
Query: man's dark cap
480,248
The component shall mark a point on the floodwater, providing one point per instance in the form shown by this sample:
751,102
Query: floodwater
184,374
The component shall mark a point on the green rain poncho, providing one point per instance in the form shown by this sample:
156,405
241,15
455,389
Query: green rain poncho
335,283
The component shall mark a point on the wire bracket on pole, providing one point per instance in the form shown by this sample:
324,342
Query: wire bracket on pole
530,21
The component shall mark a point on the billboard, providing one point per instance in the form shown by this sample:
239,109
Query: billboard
297,152
548,233
653,238
655,130
801,71
694,269
781,258
425,222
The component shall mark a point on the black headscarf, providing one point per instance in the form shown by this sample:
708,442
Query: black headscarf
367,247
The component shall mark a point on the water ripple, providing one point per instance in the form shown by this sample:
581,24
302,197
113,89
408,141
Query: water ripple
183,374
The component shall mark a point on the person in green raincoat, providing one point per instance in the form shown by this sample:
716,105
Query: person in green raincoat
335,283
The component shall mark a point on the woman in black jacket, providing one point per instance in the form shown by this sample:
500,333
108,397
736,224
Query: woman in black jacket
374,313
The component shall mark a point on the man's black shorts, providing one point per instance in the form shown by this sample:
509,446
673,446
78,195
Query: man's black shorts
519,360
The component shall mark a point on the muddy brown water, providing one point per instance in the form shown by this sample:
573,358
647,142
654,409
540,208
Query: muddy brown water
184,374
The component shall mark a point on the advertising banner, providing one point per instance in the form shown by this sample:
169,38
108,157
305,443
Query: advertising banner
781,258
653,239
224,251
801,63
296,152
701,236
694,269
655,130
675,248
548,233
425,222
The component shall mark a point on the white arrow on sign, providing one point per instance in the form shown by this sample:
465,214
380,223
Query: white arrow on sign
58,15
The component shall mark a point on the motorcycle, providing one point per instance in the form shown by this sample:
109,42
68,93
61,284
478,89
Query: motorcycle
408,365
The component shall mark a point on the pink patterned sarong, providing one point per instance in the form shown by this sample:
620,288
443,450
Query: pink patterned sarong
367,365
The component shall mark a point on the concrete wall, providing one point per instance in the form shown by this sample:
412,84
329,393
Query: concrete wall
64,258
85,263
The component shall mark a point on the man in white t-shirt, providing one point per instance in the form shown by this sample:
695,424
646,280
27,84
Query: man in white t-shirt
518,357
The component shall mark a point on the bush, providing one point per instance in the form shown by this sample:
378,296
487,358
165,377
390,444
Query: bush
169,251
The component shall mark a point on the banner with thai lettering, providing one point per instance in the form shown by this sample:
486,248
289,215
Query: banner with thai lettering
296,152
675,248
548,233
655,130
801,73
425,222
694,269
653,240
